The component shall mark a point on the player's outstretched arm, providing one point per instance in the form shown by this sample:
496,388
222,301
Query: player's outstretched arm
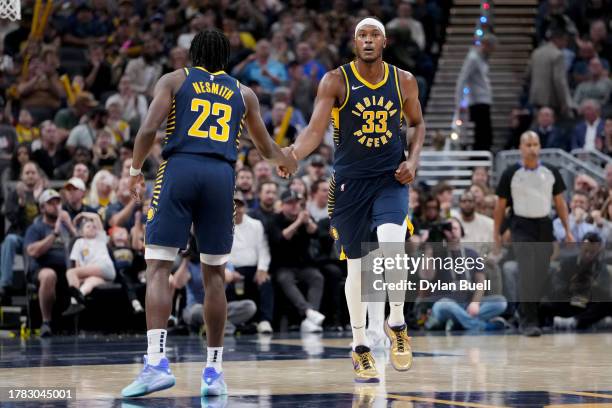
406,172
330,88
261,138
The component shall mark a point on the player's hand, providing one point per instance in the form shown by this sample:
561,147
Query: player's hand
406,172
569,237
473,309
137,186
261,276
288,164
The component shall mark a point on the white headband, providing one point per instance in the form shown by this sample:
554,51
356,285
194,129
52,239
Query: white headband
372,22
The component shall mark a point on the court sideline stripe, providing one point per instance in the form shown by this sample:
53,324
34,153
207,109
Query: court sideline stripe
440,401
584,394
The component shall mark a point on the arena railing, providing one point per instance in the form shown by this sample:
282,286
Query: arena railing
595,157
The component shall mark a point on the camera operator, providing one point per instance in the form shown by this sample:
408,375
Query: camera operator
466,309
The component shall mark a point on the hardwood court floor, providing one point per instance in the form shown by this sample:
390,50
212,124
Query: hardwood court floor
462,370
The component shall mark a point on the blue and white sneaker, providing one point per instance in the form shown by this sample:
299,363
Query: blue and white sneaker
151,379
212,383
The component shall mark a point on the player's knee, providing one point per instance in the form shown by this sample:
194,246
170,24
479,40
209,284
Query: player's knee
214,260
158,270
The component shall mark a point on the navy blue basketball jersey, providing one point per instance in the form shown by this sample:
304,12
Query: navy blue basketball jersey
367,126
207,116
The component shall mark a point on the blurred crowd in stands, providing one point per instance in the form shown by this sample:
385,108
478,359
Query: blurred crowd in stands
567,98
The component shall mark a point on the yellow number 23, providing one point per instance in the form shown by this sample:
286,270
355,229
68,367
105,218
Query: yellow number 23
221,111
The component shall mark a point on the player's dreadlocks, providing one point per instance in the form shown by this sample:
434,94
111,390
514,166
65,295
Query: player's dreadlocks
210,49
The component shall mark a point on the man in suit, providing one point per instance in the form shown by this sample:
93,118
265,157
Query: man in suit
550,134
548,76
588,134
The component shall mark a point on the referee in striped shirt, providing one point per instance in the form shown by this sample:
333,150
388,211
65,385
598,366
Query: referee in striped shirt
530,188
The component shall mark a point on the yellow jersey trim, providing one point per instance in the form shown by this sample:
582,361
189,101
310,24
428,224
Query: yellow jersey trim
211,73
186,71
399,89
366,83
348,89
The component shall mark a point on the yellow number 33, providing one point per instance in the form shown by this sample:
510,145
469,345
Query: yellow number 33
223,113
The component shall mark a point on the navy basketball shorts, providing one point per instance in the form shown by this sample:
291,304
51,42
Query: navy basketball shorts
358,206
192,188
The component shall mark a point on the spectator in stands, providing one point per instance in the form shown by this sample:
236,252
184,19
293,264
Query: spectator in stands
85,134
317,204
303,88
74,192
317,169
598,34
81,156
284,95
197,23
476,227
40,92
430,216
480,175
98,74
279,126
102,192
404,20
267,194
531,188
444,193
179,59
578,223
245,184
252,158
68,118
268,72
133,105
26,131
144,71
262,172
45,242
93,265
311,67
189,275
51,153
585,183
550,14
548,89
21,155
8,141
83,29
104,151
550,134
122,213
479,191
21,209
579,70
588,134
473,90
470,310
581,286
250,257
598,87
116,125
127,265
607,136
298,185
290,237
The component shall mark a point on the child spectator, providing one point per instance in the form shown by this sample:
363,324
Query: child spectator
93,264
26,132
126,264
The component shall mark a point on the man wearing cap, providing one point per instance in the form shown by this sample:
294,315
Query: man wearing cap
367,101
74,191
250,257
44,243
290,234
316,170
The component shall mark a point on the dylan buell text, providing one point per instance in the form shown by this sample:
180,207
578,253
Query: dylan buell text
431,286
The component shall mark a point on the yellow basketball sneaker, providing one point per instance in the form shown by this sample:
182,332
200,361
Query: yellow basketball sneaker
401,351
364,365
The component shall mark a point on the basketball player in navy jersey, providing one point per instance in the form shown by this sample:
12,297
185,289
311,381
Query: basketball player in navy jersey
367,100
206,111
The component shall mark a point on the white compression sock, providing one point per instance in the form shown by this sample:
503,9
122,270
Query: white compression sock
214,358
357,308
156,349
392,238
